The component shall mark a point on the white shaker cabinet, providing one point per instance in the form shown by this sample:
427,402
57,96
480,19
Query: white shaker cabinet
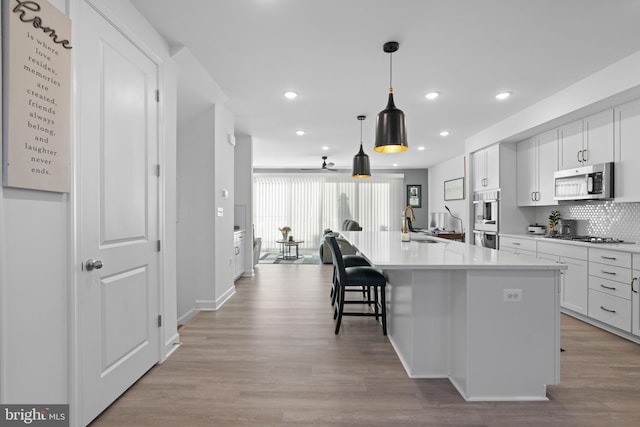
588,141
537,160
609,287
518,246
635,296
574,290
627,148
486,166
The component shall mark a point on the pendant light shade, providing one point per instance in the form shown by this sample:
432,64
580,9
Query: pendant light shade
361,166
391,133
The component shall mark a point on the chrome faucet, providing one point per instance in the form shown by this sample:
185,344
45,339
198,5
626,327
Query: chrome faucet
405,229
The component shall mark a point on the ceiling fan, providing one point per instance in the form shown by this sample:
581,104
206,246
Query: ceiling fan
325,166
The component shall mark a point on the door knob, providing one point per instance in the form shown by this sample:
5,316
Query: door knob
93,264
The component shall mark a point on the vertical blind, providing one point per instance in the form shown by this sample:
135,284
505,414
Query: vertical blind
311,203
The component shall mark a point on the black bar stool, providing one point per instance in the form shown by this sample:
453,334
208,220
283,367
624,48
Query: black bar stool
357,278
349,261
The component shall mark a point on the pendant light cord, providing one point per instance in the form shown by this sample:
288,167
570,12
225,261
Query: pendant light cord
390,72
360,133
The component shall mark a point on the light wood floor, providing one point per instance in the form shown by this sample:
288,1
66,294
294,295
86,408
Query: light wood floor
269,357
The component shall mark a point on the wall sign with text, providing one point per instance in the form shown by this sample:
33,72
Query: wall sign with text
36,96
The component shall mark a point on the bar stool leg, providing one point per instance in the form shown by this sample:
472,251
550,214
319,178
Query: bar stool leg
383,302
339,310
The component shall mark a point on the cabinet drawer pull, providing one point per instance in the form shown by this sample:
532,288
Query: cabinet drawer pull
612,258
585,157
607,310
516,243
633,289
608,272
579,159
611,288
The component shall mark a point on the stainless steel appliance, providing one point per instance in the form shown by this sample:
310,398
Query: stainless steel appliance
486,208
567,227
587,239
584,183
537,229
486,239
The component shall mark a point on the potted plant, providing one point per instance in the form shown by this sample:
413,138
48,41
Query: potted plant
554,217
285,232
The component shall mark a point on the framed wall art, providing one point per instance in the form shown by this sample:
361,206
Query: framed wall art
414,195
454,189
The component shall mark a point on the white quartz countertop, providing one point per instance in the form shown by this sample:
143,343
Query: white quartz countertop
385,250
624,247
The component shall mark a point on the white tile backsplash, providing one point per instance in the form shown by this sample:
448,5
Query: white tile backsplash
603,219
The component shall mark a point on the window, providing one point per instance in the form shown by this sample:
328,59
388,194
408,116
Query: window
310,203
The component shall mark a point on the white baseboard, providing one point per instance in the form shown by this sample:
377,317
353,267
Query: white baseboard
170,346
184,319
210,305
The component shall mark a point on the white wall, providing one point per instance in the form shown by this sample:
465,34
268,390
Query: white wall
243,195
195,242
223,168
450,169
205,247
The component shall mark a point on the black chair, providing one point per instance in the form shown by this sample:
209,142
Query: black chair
349,261
358,278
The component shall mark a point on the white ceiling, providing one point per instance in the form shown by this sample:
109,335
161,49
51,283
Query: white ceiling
330,52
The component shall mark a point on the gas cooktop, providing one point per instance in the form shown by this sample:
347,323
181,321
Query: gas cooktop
587,239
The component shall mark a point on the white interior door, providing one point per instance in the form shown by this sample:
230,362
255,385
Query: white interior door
118,204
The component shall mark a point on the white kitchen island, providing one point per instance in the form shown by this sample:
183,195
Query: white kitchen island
487,320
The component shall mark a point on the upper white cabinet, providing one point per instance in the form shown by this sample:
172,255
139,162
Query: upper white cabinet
537,159
627,152
486,167
588,141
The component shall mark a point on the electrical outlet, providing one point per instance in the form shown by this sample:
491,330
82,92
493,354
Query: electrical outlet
512,295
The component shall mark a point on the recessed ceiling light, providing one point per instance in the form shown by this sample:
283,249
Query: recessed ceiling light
325,148
432,95
395,165
503,95
444,133
300,132
421,148
290,94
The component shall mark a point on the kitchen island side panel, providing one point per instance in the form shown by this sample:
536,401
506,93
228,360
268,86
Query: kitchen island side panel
514,345
418,320
399,314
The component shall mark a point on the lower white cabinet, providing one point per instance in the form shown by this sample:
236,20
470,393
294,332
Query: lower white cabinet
239,250
635,296
598,284
610,287
574,290
518,246
609,309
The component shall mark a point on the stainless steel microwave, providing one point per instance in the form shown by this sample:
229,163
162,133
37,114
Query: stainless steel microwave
585,183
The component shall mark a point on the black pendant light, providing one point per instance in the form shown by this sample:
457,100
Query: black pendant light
361,167
391,134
